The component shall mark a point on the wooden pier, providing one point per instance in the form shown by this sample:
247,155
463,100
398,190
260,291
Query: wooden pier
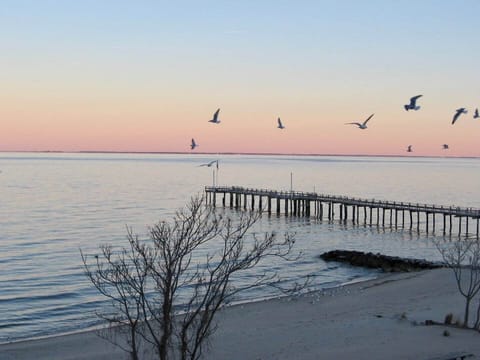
360,211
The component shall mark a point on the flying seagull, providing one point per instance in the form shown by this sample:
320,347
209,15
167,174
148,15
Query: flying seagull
210,163
215,118
458,112
476,116
413,103
363,125
193,145
445,146
409,148
280,125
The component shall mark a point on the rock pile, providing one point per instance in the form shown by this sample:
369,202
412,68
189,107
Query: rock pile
379,261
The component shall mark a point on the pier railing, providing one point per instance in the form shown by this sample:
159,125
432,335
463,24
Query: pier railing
299,203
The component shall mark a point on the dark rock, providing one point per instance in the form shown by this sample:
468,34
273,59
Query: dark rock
378,261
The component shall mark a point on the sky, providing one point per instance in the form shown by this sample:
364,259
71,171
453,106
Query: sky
146,76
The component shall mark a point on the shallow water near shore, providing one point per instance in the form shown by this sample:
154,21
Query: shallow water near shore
52,205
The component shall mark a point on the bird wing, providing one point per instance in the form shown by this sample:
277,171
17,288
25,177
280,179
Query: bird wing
413,100
353,123
279,122
215,116
368,119
455,117
476,112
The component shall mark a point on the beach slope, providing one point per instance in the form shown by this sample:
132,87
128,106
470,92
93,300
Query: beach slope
378,319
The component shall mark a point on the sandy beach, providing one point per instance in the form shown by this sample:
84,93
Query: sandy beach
377,319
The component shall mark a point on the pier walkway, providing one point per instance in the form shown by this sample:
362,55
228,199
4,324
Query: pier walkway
343,208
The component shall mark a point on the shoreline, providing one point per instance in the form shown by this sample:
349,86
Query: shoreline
370,319
88,329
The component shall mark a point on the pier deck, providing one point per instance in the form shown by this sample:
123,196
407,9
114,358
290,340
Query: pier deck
368,211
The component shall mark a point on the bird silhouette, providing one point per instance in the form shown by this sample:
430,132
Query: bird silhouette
280,125
210,163
193,145
475,115
409,148
413,103
363,125
458,112
215,118
445,147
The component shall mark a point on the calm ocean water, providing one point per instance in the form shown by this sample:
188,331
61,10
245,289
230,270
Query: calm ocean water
52,205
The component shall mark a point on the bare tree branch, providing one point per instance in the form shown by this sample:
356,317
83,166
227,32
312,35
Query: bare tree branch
193,257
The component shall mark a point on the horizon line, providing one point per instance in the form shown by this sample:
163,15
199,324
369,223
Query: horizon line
230,153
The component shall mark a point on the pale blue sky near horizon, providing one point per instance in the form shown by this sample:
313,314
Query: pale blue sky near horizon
233,50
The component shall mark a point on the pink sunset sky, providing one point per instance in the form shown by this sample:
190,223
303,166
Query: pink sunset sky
147,76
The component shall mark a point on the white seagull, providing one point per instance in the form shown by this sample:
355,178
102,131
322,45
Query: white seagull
458,112
409,148
280,125
215,118
445,146
413,103
476,116
210,163
363,125
193,145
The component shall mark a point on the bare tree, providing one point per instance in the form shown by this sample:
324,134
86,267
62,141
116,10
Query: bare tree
190,260
463,257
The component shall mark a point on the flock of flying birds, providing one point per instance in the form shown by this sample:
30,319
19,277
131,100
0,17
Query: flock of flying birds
413,106
216,120
410,106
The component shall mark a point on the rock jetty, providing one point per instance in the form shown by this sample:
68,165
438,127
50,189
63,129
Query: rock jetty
379,261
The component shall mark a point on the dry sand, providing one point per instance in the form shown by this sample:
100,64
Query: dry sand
377,319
